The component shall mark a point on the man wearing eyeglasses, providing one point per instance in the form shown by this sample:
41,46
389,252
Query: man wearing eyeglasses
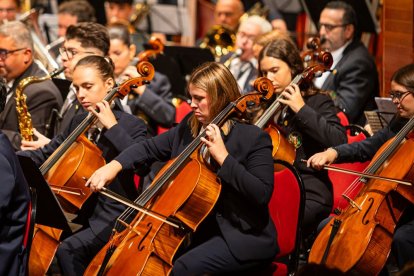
354,81
242,63
16,64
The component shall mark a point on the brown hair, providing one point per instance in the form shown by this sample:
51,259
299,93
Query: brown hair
284,49
220,85
405,76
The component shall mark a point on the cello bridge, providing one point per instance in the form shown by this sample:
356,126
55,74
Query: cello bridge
352,203
127,225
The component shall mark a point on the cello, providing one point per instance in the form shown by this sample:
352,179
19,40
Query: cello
359,239
185,190
65,170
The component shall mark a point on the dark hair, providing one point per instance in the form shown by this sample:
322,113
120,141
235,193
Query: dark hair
79,8
104,65
349,17
121,32
3,93
405,76
90,35
120,2
284,49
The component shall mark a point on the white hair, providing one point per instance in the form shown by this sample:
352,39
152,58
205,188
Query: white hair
264,25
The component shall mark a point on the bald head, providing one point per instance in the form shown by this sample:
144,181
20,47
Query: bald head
228,13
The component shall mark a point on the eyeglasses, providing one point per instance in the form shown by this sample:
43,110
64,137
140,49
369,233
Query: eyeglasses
70,53
399,95
4,53
330,27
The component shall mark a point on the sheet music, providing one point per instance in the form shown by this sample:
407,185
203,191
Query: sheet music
380,118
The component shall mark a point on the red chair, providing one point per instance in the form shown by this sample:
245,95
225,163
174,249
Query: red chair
342,181
181,110
342,117
286,208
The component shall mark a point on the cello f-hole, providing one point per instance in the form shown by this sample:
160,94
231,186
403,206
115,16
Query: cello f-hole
140,246
364,220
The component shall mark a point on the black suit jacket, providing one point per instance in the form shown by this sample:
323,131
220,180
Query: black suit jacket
155,104
247,184
355,83
14,203
42,97
364,150
317,128
128,131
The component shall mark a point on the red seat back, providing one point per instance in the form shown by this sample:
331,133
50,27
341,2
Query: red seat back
286,209
181,111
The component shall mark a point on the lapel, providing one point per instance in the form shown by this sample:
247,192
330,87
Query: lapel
9,109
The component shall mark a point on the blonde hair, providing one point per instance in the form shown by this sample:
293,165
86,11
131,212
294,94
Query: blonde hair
220,85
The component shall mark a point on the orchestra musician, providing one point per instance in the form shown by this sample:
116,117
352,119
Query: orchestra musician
238,234
354,82
121,11
82,39
17,63
151,102
9,10
115,131
14,204
227,13
242,63
309,123
402,95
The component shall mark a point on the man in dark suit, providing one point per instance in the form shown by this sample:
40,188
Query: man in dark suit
17,63
354,83
14,203
242,63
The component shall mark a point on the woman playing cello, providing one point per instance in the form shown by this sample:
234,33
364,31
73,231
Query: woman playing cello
402,95
116,130
310,123
238,234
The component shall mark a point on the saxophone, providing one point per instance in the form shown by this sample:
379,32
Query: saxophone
23,115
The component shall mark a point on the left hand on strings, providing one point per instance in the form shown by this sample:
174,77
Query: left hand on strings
104,114
215,144
292,97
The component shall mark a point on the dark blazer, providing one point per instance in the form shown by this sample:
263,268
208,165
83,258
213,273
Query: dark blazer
14,203
42,97
128,131
155,105
247,184
317,128
355,83
364,150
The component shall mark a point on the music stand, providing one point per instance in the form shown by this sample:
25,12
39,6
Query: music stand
366,17
178,62
63,86
48,209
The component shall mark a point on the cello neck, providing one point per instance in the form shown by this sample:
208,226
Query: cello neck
275,106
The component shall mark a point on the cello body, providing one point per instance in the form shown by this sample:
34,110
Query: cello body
152,244
359,239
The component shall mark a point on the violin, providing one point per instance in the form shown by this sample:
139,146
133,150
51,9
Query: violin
183,193
66,170
359,238
282,149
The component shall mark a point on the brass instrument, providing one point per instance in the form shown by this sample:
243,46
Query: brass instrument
24,117
41,53
220,40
